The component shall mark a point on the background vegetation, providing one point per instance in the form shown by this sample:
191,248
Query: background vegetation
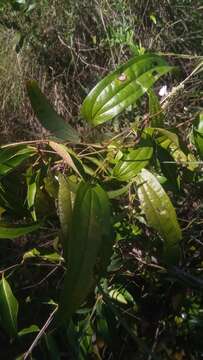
144,307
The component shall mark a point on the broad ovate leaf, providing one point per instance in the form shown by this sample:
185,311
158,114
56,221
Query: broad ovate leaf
160,214
90,247
8,308
47,116
122,88
131,164
198,135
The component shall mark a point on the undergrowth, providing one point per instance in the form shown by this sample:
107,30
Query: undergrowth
120,202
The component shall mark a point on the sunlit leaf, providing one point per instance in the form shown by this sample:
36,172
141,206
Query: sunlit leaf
8,308
51,257
123,88
47,116
160,214
131,164
11,157
120,294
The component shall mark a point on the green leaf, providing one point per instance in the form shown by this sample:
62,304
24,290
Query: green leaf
51,257
90,247
113,194
131,164
8,308
122,88
11,232
153,18
168,167
32,185
170,142
65,213
198,135
120,294
47,116
30,330
51,185
31,253
155,110
169,135
160,214
11,157
116,295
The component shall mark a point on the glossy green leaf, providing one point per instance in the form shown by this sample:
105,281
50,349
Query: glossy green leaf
47,116
160,214
8,308
122,88
155,110
12,232
11,157
90,247
198,135
65,212
131,164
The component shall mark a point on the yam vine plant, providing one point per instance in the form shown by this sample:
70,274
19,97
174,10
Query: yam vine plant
104,219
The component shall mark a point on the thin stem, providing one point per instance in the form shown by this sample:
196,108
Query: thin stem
41,333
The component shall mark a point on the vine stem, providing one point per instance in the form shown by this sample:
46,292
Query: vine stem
41,333
30,142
